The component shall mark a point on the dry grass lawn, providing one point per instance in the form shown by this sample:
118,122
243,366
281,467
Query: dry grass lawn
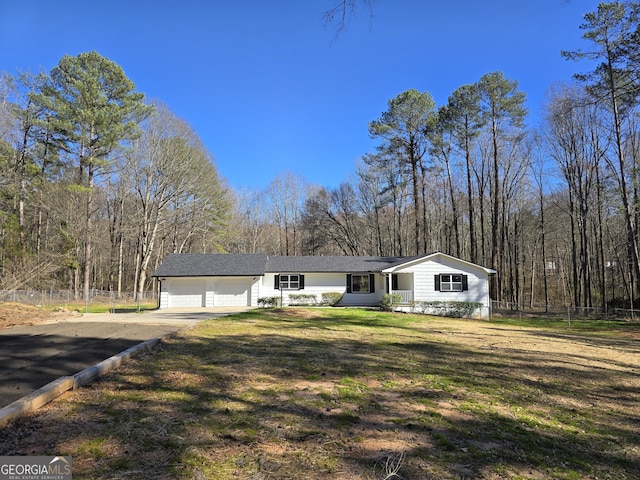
355,394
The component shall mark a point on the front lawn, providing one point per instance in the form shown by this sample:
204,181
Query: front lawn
355,394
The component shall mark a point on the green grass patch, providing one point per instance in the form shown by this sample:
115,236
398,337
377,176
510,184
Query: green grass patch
570,324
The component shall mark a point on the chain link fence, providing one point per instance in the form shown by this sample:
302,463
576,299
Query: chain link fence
49,298
554,312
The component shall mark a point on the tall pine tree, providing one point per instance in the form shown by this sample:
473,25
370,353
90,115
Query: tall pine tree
90,107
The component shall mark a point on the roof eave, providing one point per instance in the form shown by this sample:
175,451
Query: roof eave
393,268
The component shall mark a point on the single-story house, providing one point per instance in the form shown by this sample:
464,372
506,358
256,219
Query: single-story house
213,280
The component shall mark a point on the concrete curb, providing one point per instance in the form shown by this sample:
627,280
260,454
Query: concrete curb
44,395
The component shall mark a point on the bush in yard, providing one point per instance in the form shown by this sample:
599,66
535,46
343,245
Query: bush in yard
390,300
331,298
267,302
448,308
302,299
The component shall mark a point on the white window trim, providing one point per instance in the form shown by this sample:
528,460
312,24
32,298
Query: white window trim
450,286
288,284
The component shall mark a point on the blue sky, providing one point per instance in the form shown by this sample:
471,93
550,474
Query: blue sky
270,90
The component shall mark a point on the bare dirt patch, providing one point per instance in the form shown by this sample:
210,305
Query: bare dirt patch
18,314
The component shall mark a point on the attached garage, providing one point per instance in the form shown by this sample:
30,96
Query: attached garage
232,292
205,292
186,292
210,280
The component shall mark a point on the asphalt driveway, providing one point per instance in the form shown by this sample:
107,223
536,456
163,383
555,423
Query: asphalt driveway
33,356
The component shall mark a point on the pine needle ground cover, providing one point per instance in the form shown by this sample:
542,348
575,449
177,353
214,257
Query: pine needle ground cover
356,394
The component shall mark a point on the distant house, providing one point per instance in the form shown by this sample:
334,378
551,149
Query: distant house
215,280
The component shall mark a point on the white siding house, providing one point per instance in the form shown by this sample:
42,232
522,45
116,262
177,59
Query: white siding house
211,280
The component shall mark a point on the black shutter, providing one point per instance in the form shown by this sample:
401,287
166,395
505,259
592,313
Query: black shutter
437,282
372,283
277,283
348,283
301,282
465,283
394,281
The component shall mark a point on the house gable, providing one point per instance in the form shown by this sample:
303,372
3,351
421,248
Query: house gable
442,259
465,281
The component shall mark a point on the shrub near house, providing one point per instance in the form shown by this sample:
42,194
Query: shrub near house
302,299
448,309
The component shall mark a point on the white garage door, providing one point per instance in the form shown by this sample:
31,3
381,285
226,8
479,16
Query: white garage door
186,293
231,293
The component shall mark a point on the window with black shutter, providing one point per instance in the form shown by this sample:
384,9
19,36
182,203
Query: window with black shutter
361,283
289,281
451,282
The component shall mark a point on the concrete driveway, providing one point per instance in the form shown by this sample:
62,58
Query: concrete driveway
33,356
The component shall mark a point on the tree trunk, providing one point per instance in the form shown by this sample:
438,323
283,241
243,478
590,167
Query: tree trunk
574,259
416,201
495,194
88,241
472,236
544,255
454,209
600,241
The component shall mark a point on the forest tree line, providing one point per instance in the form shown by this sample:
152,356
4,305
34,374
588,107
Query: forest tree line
99,185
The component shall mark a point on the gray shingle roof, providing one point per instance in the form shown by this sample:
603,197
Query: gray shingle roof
331,264
206,265
211,264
